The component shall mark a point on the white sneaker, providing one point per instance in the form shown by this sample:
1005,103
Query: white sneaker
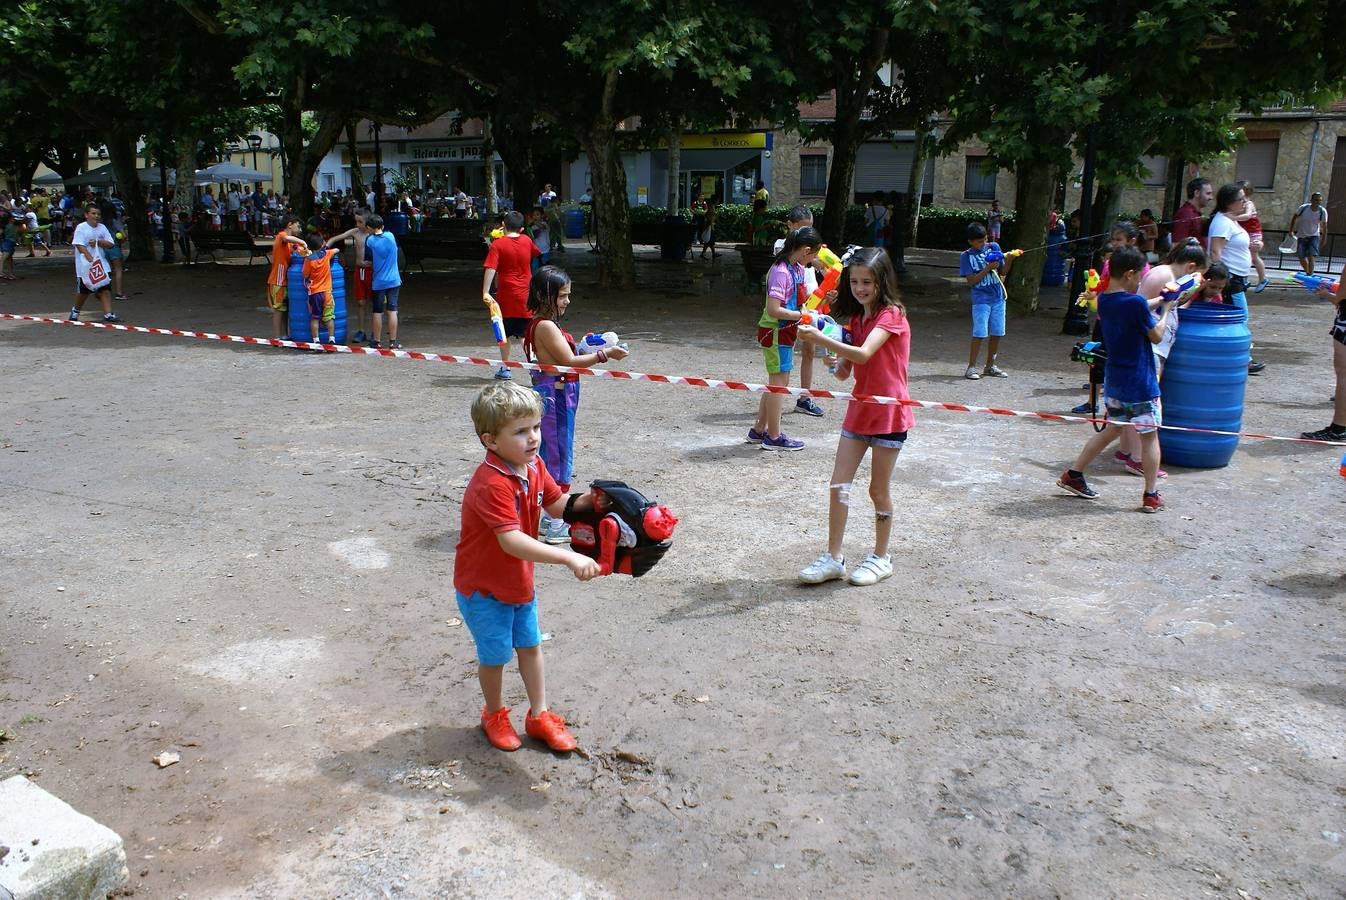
972,374
825,568
873,570
553,531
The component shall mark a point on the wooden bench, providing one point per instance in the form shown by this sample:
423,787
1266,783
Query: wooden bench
431,245
756,261
210,241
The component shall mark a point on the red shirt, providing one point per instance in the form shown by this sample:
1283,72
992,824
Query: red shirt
512,258
497,501
884,375
1187,223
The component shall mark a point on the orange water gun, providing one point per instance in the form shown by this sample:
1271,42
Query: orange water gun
818,299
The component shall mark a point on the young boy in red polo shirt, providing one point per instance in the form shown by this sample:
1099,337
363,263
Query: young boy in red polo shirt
493,563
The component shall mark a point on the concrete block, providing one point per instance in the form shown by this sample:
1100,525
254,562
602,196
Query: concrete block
48,851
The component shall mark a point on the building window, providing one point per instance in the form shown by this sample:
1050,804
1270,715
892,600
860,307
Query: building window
812,174
1156,171
1257,163
976,184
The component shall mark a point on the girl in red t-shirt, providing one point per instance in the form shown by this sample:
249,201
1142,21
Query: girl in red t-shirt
878,351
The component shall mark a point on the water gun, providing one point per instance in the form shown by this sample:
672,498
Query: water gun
1342,470
624,532
1313,282
1181,290
824,323
834,264
1089,299
995,255
605,341
497,322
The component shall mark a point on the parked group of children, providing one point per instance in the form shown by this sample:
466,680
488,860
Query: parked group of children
378,281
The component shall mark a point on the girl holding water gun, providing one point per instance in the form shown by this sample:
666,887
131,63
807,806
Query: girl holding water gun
778,329
545,342
877,354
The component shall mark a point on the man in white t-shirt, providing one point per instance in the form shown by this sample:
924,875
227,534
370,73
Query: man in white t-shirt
91,266
460,203
797,218
547,197
1307,225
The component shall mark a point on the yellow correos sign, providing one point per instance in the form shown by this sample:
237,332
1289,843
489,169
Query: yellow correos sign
733,141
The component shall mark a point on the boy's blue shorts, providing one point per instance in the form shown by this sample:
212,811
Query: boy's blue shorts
988,319
497,628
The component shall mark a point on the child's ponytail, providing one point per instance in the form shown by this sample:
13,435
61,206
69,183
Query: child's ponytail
807,236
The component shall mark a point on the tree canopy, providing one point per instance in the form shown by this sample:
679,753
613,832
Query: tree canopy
1023,77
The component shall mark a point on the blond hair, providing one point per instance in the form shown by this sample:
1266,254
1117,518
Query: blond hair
499,403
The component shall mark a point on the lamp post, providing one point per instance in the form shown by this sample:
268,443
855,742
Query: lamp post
255,144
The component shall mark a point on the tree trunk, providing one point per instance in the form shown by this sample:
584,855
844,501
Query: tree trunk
1173,189
855,77
121,150
299,178
303,158
915,184
674,168
1032,202
184,192
515,144
357,171
488,159
616,263
1107,203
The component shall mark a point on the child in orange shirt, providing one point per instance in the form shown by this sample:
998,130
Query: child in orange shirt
318,283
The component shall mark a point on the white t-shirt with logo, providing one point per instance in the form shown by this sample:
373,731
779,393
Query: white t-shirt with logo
86,270
1235,255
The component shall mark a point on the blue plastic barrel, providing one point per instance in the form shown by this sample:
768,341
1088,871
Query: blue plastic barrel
574,223
1203,384
298,300
1054,269
397,222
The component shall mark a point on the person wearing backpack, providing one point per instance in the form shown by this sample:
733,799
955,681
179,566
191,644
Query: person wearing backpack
1307,225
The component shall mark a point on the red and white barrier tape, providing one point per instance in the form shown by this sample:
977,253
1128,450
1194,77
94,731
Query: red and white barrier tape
620,375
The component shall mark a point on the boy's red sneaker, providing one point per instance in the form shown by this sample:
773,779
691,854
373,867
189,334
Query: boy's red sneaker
1151,503
550,728
499,730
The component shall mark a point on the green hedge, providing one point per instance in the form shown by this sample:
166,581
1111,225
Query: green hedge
731,224
945,227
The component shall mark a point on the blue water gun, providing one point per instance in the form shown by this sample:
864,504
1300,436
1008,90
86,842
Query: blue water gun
1181,289
1313,282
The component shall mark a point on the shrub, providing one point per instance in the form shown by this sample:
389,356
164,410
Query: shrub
732,220
945,227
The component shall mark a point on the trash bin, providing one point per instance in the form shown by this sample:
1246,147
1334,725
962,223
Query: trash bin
1054,269
676,239
297,297
397,223
1203,385
574,223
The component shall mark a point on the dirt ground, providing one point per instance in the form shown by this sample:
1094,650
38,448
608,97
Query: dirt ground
245,555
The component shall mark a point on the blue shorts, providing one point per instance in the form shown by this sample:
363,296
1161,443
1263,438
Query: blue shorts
1143,415
384,300
893,441
114,252
497,628
7,246
1308,246
988,319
